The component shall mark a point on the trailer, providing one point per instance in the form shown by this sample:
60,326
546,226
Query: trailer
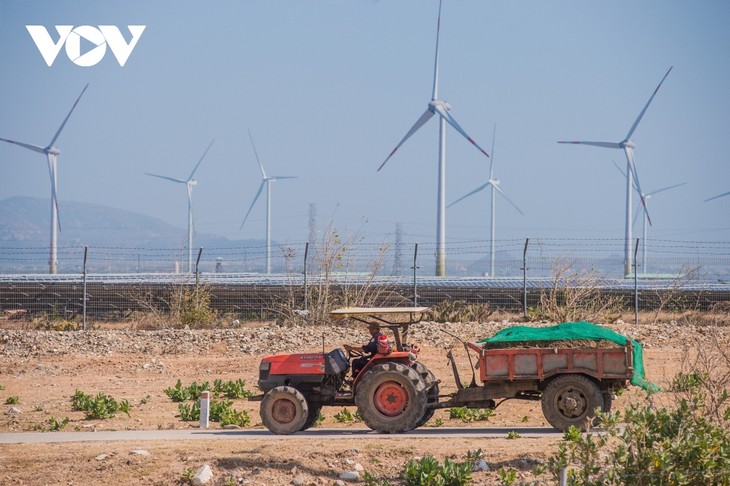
571,383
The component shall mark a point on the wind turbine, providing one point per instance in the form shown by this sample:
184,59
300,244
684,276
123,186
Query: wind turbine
494,183
441,108
52,153
718,196
627,145
189,183
265,180
646,197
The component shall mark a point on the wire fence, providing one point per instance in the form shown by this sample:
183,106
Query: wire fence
111,282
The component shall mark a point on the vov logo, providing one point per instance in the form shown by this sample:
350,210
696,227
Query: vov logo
71,36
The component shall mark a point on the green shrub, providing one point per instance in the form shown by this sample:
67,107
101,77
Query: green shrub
235,417
345,416
99,407
178,393
231,389
189,413
14,400
55,424
681,446
471,414
428,472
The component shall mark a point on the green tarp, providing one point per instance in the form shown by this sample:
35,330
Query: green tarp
577,331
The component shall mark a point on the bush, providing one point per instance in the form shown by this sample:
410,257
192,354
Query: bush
99,407
471,414
680,446
428,472
345,416
231,389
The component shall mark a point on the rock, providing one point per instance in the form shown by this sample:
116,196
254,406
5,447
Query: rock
101,457
481,465
13,411
231,427
349,462
294,471
139,452
358,467
299,481
350,475
202,475
339,482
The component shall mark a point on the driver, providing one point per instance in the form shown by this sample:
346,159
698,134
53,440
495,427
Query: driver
369,350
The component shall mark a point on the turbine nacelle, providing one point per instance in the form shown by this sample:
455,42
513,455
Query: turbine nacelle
627,144
192,182
52,150
433,104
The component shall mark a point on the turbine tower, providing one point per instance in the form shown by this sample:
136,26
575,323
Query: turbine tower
265,180
441,108
494,183
646,196
52,153
189,183
627,145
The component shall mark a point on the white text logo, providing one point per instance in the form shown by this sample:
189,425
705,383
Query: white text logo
71,36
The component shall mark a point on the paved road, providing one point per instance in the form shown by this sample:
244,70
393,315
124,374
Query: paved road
318,434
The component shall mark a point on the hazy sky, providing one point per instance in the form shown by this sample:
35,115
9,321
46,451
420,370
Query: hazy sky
329,87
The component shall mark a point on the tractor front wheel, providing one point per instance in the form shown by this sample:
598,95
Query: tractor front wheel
284,410
391,398
432,390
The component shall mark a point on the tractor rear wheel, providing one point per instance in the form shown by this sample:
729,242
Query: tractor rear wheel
284,410
391,398
571,400
432,390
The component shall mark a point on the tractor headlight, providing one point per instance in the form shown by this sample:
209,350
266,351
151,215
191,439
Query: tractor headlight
412,357
265,366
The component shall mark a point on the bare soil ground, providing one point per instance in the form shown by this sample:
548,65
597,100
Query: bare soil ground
43,369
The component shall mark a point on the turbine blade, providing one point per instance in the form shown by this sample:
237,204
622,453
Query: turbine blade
718,196
636,216
666,188
480,188
434,93
167,178
632,165
596,144
641,115
276,178
419,123
499,190
55,137
618,168
452,121
258,193
34,148
201,159
263,172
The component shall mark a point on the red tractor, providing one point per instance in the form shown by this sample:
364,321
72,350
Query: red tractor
391,392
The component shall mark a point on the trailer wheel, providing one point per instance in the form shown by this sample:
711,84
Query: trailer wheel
313,415
284,410
571,400
391,398
432,390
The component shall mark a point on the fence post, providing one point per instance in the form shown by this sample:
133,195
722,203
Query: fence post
197,262
415,281
306,252
563,476
636,283
86,250
524,278
204,409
